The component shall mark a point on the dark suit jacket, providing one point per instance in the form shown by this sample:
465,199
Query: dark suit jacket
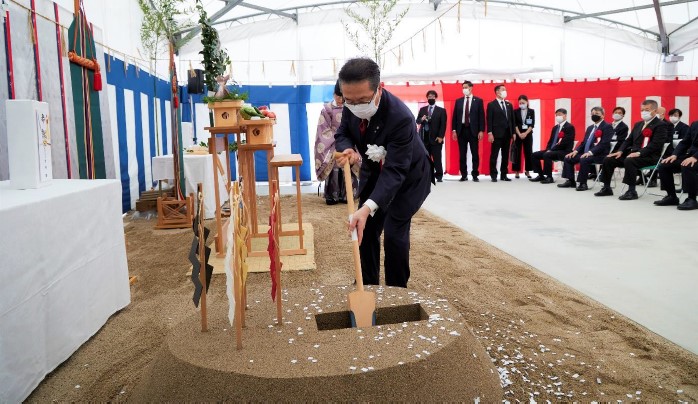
620,134
530,114
688,146
406,162
477,115
633,143
501,126
437,124
679,131
565,144
603,147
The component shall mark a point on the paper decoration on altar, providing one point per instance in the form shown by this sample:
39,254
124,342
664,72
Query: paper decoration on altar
29,143
196,265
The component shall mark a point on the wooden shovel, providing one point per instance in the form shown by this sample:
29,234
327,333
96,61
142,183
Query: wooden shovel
362,304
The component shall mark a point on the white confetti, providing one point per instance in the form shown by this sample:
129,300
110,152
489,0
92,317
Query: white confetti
77,386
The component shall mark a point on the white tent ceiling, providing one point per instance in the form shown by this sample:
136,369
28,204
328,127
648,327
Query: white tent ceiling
679,17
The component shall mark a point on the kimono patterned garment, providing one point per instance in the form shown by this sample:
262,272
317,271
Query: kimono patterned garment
325,166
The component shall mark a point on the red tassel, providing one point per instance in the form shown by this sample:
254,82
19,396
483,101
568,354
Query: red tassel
98,81
175,102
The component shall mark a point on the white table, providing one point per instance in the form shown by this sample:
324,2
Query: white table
198,168
63,273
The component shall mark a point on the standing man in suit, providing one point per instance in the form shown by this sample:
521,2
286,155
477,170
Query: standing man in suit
396,173
588,153
468,127
632,155
682,160
559,145
432,121
500,131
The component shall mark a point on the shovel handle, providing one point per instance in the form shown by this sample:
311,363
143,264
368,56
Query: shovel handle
350,210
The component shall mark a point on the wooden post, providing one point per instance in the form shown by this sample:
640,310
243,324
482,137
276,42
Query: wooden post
277,256
202,257
237,269
299,206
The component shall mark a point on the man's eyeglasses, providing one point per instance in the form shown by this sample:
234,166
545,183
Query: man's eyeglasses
361,103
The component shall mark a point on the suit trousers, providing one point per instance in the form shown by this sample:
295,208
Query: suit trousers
435,153
394,223
666,176
467,139
525,145
503,145
548,157
585,166
632,168
689,180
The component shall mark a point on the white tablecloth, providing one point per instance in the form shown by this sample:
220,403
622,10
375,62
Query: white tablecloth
63,272
198,168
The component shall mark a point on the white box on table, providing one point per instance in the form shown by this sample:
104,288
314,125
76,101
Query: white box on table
28,143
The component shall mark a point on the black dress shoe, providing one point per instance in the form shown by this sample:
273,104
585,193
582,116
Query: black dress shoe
629,195
652,184
439,180
582,187
669,200
463,178
688,204
567,184
537,179
505,178
604,191
548,180
475,179
591,176
528,175
494,179
331,201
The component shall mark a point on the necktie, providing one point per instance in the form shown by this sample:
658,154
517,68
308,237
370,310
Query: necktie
504,109
466,112
557,132
431,110
362,126
592,135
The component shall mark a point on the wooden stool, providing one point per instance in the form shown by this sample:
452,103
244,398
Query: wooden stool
290,160
249,191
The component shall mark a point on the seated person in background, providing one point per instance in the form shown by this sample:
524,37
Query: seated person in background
684,160
632,155
325,167
620,132
560,144
661,114
588,153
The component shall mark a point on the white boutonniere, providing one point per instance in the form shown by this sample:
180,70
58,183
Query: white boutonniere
376,153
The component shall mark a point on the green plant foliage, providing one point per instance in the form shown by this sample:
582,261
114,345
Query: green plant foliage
215,59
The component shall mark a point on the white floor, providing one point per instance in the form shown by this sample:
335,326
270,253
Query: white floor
636,258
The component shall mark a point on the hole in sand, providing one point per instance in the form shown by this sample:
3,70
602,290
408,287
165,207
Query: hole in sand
384,315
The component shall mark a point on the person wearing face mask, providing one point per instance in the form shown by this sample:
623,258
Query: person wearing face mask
500,126
675,131
394,180
591,150
632,155
684,160
326,168
620,129
432,126
468,127
524,120
559,145
678,129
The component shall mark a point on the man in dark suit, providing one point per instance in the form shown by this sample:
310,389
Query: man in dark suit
632,155
588,153
500,131
682,160
468,126
560,144
432,126
392,185
620,129
678,129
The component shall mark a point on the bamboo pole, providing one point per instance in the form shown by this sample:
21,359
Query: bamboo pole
202,258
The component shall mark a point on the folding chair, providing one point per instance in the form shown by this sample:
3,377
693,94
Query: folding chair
651,169
599,167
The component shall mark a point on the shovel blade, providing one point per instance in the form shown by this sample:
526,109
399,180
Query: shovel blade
362,306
